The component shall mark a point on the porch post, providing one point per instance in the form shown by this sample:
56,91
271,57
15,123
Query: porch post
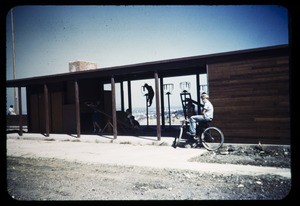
198,93
157,106
122,96
46,110
77,109
20,112
114,113
129,95
162,102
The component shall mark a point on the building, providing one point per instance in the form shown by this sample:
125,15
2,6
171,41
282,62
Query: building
249,90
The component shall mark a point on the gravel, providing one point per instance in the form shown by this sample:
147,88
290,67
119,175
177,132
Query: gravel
42,178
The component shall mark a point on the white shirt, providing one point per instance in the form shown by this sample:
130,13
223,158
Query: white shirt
11,111
209,109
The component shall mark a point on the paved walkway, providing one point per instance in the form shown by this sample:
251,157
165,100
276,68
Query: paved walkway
129,150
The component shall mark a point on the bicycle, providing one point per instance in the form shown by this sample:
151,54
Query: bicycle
212,138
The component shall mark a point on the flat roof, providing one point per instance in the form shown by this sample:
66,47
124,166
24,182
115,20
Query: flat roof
164,68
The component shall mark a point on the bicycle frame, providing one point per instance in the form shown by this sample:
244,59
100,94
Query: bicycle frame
208,136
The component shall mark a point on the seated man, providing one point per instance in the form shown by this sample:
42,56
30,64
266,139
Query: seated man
134,124
11,110
128,118
207,114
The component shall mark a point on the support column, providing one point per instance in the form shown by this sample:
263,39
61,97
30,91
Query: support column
122,96
77,108
20,112
114,112
198,93
157,106
46,110
129,95
162,102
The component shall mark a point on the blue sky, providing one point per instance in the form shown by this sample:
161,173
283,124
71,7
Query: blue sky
47,38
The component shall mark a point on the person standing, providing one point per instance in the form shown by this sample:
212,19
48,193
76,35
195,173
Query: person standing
96,116
206,116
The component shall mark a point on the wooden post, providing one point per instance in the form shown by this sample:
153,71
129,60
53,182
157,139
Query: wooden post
162,102
122,96
20,112
114,112
77,109
157,106
198,93
46,110
129,95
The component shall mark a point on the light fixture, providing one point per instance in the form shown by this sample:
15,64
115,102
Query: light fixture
185,86
168,88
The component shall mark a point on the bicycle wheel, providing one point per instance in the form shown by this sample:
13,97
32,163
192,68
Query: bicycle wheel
212,138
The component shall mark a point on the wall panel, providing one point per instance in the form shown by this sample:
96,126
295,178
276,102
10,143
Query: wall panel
251,99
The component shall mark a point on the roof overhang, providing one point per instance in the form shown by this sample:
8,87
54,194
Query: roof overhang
165,68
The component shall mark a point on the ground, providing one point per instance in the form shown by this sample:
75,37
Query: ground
55,179
259,155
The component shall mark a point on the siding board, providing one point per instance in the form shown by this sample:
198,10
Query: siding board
251,99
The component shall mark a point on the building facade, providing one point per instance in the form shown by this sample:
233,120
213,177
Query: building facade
250,91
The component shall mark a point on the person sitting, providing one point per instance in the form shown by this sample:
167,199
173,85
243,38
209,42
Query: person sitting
134,123
206,116
190,109
128,116
11,110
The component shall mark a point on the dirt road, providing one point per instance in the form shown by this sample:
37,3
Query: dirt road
66,170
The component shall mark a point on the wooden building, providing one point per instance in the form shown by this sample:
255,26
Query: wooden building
248,88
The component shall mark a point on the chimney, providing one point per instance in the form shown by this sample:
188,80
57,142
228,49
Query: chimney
81,66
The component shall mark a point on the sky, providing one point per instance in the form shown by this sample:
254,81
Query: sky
47,38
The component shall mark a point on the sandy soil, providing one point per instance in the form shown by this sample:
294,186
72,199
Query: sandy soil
52,178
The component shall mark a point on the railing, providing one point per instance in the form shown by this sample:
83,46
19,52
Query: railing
13,122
